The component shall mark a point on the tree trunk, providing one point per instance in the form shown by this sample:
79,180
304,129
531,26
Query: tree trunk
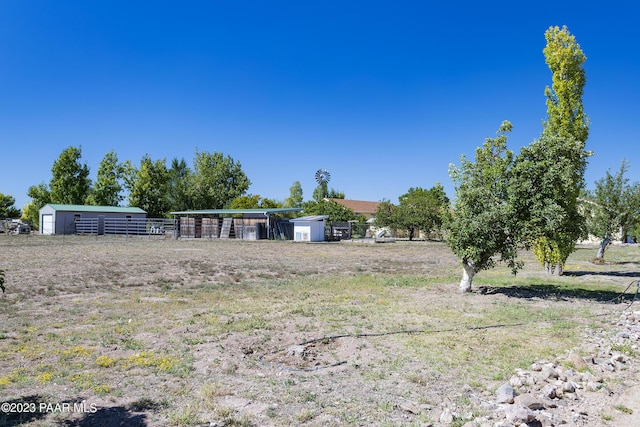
547,267
468,271
603,247
558,270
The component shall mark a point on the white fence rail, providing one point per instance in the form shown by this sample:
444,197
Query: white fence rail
125,226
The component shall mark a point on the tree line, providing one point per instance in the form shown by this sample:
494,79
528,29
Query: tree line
213,182
504,202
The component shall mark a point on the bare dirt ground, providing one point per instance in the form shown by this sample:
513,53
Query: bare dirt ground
154,332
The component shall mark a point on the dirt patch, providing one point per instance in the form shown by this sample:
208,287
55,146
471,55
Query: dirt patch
192,332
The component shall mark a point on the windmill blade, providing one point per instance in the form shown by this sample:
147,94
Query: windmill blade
322,176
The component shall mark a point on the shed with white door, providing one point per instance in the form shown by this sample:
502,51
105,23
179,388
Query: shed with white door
309,228
62,219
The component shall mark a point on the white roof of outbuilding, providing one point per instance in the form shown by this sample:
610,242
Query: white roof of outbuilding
310,218
91,208
264,211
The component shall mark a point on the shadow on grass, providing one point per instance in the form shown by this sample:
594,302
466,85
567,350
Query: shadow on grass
114,416
629,274
23,410
560,293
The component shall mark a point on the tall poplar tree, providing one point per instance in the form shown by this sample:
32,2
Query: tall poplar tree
565,59
549,174
295,196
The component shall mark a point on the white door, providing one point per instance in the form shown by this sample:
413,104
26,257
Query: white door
46,224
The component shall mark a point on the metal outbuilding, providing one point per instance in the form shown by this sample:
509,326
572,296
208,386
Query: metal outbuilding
309,228
62,219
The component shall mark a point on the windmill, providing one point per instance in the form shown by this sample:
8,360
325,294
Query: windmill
322,178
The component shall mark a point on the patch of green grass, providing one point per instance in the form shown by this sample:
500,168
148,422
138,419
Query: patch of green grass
624,409
624,349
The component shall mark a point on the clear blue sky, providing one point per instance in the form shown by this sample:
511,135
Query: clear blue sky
383,94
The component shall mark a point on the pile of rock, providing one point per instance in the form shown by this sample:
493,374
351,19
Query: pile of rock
573,390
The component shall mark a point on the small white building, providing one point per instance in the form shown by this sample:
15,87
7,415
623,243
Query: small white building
309,228
62,219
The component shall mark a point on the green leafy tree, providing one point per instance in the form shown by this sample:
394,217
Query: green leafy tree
295,196
253,202
148,186
482,225
321,192
334,210
107,190
70,183
384,214
418,209
612,207
550,172
270,203
335,194
7,208
565,59
216,181
178,191
546,182
40,196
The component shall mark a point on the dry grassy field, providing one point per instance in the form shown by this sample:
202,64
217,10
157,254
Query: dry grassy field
155,332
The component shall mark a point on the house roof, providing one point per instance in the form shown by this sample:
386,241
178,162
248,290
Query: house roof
359,206
89,208
264,211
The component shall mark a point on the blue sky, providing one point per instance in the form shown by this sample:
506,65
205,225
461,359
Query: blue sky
382,94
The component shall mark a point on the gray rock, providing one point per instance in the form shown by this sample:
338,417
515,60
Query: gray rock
593,386
446,417
549,403
505,394
516,381
548,391
619,357
544,421
548,372
568,387
530,379
517,414
410,407
528,400
578,362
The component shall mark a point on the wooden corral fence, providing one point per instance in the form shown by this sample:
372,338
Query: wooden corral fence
233,228
222,228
